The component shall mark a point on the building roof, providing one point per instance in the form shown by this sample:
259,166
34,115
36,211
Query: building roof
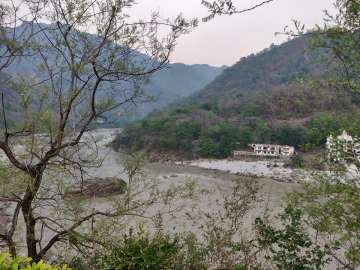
270,145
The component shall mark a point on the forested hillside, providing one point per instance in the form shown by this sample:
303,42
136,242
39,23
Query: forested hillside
275,65
262,98
168,85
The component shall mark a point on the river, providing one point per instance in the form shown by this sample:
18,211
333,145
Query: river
213,181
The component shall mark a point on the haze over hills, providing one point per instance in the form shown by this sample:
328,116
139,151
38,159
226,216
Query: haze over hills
259,99
175,82
166,86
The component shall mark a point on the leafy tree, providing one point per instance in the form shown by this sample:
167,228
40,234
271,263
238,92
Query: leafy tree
226,238
331,208
244,137
210,107
290,136
262,131
290,247
339,35
189,129
155,124
208,148
320,127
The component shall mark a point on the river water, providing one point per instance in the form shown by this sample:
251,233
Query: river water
213,181
215,178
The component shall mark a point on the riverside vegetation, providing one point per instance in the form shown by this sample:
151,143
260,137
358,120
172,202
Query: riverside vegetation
318,226
286,104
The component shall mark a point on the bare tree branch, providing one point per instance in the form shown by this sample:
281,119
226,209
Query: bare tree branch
226,7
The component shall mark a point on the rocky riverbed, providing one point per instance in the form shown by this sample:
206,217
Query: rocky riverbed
214,180
271,169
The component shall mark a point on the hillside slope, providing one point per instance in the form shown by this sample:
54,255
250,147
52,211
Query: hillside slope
273,66
173,83
259,99
164,87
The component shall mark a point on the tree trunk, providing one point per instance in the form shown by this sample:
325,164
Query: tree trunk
27,211
30,230
12,248
10,244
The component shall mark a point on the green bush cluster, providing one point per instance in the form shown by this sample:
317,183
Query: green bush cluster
7,262
290,247
140,251
222,139
285,246
219,140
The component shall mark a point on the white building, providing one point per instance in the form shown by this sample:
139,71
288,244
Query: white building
267,150
272,150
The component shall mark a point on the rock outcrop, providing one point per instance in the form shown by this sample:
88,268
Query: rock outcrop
97,187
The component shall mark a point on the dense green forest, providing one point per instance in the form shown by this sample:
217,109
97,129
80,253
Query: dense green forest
275,96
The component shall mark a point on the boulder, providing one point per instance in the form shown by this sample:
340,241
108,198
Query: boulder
97,187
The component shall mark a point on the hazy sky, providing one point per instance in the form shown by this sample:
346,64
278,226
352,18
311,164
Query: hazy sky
224,40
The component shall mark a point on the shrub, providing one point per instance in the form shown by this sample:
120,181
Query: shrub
208,148
140,251
7,262
291,247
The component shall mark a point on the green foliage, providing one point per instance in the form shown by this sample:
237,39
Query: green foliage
154,123
23,263
222,139
251,110
219,140
207,148
264,97
210,107
332,208
320,127
290,136
291,247
262,131
340,37
140,251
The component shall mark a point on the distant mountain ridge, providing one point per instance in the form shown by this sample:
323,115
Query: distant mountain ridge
166,86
